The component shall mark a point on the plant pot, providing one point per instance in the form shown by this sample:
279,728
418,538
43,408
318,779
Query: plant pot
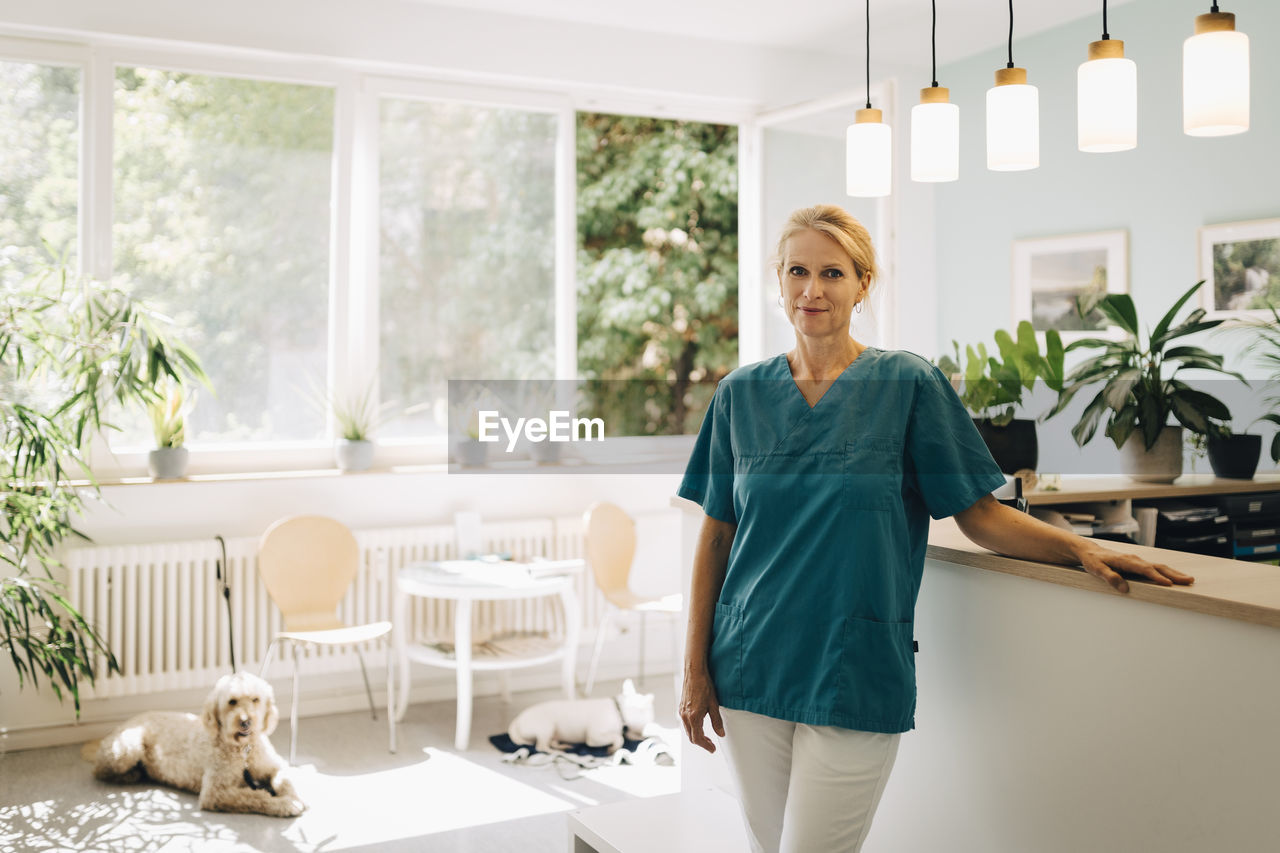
1235,456
1013,446
1161,464
167,463
353,455
546,452
471,453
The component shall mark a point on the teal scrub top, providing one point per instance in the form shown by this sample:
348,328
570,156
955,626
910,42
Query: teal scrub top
832,506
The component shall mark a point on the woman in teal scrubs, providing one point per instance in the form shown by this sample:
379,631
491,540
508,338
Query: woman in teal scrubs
818,471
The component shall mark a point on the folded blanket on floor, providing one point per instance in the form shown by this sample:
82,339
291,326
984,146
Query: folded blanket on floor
505,744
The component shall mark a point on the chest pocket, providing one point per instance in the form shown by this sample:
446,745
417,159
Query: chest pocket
873,472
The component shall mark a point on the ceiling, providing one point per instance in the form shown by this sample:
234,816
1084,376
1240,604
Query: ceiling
899,28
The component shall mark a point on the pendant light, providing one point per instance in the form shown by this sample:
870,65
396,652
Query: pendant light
1013,117
1107,96
868,145
935,126
1215,77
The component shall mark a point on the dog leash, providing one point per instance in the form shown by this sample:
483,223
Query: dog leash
223,571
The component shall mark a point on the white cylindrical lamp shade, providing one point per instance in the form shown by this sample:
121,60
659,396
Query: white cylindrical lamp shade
1013,122
1215,77
1107,99
869,156
935,137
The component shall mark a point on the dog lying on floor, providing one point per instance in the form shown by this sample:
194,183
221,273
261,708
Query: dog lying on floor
223,755
595,722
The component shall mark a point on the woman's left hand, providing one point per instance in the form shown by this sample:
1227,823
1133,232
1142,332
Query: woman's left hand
1106,564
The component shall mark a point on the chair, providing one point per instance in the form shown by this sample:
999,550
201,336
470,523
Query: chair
307,563
611,548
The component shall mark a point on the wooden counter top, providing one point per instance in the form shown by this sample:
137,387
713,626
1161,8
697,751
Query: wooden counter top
1234,589
1119,487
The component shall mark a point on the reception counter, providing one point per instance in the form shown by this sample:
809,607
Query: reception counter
1055,714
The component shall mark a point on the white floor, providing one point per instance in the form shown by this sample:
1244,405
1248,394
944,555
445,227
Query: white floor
425,797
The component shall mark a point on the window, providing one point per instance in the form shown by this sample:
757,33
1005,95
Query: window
222,222
657,268
39,166
467,243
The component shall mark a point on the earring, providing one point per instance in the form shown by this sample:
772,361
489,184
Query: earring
780,300
858,307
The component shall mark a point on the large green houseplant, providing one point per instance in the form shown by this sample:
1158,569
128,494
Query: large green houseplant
993,388
70,350
1139,390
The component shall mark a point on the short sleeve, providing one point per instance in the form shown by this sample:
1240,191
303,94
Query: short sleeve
953,466
708,478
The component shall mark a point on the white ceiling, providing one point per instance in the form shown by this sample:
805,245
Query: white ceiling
899,28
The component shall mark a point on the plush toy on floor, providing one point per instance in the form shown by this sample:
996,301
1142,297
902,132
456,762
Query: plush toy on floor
223,755
595,722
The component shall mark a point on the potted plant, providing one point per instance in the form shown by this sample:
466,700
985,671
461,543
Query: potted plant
1139,392
168,461
1266,347
471,451
992,390
356,418
73,350
1232,455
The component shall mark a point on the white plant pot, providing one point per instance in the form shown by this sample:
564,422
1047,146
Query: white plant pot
1161,464
167,463
353,455
471,453
545,452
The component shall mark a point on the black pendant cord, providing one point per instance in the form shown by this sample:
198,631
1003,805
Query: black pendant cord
1105,35
1010,65
868,4
1213,7
933,42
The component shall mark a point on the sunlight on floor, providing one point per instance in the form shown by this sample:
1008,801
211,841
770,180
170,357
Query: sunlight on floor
441,793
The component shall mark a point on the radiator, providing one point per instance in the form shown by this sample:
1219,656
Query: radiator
160,610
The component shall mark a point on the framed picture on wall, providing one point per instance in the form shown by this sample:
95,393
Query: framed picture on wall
1240,265
1050,272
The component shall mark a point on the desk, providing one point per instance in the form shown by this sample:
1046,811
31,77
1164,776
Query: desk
455,581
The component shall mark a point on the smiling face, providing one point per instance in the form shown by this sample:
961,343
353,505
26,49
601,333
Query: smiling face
820,285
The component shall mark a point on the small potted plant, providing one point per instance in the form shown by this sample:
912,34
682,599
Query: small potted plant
168,461
471,451
1139,391
1232,455
992,390
356,418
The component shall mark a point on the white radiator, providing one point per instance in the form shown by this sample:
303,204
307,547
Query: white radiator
160,609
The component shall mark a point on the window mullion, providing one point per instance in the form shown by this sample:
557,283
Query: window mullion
355,323
97,168
566,255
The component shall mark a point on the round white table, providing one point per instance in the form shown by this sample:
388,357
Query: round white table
484,582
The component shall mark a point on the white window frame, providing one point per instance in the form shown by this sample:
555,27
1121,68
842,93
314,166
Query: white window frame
353,300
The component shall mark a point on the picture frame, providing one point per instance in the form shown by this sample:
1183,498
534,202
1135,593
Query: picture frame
1240,265
1050,272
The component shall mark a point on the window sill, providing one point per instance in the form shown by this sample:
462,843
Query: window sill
665,455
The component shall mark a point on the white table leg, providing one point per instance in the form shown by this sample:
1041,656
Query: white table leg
399,630
462,656
572,630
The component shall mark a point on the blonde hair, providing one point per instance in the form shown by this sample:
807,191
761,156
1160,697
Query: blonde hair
838,224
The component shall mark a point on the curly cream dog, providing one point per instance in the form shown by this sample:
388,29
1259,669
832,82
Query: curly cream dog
223,755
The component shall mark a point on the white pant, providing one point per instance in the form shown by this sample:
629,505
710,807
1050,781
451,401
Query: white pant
806,789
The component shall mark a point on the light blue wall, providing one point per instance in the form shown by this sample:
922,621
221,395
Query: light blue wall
1161,193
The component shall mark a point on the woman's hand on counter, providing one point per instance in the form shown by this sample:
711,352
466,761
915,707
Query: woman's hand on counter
1004,530
1107,564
